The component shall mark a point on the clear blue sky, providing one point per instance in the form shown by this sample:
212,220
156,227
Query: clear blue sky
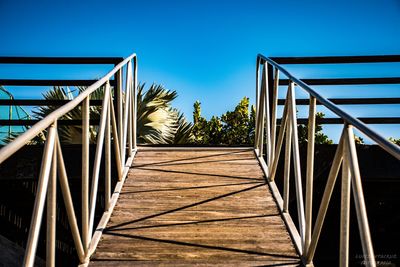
205,49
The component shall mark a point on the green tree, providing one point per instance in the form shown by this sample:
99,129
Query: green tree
320,137
200,126
215,130
232,128
395,141
238,127
236,124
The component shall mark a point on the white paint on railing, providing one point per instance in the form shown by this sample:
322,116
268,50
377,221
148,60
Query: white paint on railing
52,162
306,240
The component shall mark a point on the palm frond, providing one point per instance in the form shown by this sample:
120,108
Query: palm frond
183,134
157,122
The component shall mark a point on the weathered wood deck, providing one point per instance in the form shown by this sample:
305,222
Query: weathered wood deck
204,207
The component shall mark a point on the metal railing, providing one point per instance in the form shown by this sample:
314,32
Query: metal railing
116,124
306,236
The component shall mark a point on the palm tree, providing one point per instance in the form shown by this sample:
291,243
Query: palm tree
157,121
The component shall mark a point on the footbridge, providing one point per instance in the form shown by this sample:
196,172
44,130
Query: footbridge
203,206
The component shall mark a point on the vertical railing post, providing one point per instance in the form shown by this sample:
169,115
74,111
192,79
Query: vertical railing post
116,141
85,173
296,162
119,109
130,123
273,115
257,102
284,123
51,214
270,81
359,200
130,111
107,182
115,95
126,110
40,197
330,184
97,157
69,207
345,208
268,106
267,112
310,170
135,88
286,174
261,114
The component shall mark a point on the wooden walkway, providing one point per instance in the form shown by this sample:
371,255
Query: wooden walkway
203,207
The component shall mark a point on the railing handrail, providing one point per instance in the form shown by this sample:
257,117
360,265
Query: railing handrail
24,138
380,140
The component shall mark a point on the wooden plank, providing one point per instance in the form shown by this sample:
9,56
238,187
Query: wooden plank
195,207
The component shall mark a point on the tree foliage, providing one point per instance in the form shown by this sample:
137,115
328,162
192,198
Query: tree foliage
320,137
358,140
157,121
395,141
237,127
231,128
71,134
